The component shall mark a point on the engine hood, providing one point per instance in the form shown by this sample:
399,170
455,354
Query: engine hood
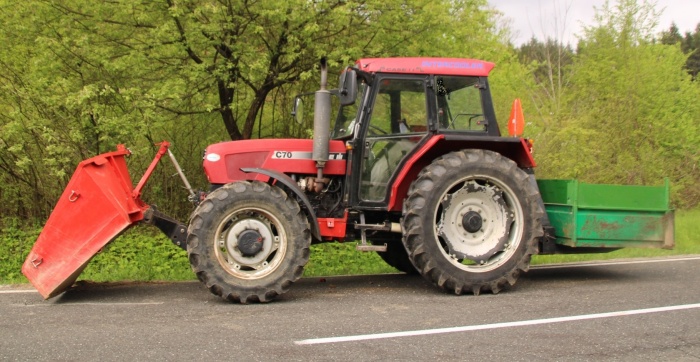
223,161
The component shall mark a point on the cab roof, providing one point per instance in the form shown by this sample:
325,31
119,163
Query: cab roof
438,66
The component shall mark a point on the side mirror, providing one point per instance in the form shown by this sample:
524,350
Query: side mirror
347,88
298,110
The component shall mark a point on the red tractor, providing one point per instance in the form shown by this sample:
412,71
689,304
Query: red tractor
414,166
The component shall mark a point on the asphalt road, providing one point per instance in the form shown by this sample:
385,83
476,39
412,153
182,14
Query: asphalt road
642,311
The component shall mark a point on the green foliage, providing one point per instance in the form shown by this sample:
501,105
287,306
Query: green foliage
629,112
144,254
15,243
141,254
343,259
690,45
80,76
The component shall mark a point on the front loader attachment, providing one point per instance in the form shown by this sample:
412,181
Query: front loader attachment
97,205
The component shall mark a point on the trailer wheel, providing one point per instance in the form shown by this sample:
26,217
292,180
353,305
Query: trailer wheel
472,221
248,242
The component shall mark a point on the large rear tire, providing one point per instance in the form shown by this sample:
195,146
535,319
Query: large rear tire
472,221
248,242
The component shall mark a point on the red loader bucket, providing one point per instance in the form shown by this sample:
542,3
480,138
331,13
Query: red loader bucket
96,206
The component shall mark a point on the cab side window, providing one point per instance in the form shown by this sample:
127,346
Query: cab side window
459,104
398,120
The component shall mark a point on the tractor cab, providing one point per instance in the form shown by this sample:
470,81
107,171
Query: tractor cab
392,108
400,101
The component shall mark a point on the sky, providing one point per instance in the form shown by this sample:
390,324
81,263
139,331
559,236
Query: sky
538,17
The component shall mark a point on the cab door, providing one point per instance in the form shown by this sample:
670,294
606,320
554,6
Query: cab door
396,123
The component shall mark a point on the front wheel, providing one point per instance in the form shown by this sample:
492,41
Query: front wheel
472,221
248,242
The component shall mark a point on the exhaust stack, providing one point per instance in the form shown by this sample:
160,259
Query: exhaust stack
322,125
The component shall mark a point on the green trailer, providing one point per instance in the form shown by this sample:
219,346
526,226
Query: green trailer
587,217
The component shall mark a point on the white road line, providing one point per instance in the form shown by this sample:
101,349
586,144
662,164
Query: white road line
116,304
70,304
493,325
606,263
15,291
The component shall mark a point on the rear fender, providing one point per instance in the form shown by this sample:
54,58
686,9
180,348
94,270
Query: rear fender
291,185
517,149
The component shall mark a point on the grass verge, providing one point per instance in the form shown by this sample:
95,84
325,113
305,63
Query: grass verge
143,254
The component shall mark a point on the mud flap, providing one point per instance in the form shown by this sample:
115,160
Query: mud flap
97,205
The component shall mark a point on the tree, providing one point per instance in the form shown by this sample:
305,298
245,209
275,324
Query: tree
632,108
671,36
80,76
550,63
690,45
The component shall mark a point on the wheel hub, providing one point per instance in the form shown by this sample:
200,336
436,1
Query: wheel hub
472,222
475,222
250,242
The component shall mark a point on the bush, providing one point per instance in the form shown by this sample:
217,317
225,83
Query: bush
15,243
140,254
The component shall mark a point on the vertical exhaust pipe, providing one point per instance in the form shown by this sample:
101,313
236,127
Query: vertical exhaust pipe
322,125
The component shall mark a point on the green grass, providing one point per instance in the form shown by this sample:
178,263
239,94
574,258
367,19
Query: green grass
143,254
15,244
343,259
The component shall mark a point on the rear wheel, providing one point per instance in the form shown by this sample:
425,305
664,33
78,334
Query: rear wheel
472,221
248,242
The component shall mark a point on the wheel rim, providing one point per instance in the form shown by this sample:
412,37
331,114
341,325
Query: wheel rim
478,223
250,243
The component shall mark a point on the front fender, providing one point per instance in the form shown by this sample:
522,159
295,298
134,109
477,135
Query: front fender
292,185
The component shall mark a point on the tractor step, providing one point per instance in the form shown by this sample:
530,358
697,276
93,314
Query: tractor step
369,247
364,246
374,227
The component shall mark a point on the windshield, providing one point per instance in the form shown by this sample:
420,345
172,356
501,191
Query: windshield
347,115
